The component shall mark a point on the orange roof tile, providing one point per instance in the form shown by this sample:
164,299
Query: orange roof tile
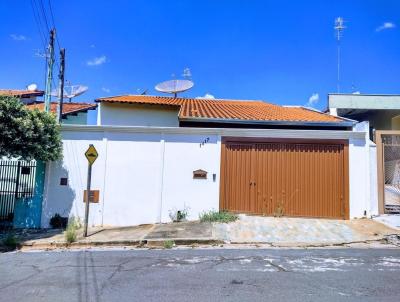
68,108
21,93
228,109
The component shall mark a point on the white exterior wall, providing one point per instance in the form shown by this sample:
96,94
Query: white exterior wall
136,115
358,176
136,185
143,173
363,165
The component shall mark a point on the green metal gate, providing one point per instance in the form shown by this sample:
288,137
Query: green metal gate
17,180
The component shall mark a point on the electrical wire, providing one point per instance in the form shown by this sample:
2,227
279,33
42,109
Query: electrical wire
41,34
44,14
41,21
42,10
38,24
53,23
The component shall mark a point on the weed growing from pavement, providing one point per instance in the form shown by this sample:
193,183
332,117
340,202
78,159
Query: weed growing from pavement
70,233
216,216
179,215
169,244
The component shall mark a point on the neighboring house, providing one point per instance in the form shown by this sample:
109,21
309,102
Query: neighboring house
73,113
18,178
26,96
382,113
158,155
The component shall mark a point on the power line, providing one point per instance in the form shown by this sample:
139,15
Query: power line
42,22
54,25
38,24
44,14
42,36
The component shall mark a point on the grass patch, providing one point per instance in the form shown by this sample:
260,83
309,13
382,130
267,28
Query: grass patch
70,234
169,244
11,241
216,216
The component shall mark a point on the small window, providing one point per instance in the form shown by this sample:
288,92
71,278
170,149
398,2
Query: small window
63,181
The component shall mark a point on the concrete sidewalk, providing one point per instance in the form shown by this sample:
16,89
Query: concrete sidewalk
391,220
301,231
279,232
184,233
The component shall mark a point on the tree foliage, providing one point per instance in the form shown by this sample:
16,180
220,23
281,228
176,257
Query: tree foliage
28,134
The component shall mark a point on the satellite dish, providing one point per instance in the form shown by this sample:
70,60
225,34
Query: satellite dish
174,86
71,91
32,87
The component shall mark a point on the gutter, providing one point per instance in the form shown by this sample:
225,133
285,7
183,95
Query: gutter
346,123
238,132
75,112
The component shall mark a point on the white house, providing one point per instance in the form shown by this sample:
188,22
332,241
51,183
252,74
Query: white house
158,155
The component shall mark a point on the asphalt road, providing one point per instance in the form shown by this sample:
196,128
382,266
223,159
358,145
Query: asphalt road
202,275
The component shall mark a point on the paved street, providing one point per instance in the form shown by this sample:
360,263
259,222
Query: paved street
202,275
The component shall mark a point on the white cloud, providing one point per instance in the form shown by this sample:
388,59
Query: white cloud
206,96
92,46
107,90
97,61
313,99
16,37
386,25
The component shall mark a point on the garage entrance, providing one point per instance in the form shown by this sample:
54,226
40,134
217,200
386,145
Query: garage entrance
285,177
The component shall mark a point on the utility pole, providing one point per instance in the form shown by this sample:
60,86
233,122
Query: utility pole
61,85
49,77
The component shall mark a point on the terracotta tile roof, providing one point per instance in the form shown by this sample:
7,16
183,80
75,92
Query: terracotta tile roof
68,108
21,93
228,109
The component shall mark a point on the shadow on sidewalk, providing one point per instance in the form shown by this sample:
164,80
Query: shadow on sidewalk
11,239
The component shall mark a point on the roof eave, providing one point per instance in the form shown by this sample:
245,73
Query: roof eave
270,122
79,110
137,103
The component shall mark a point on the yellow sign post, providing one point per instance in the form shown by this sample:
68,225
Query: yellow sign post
91,155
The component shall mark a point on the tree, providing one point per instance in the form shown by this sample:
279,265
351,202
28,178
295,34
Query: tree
28,134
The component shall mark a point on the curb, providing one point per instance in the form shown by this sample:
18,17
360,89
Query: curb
151,243
182,241
159,243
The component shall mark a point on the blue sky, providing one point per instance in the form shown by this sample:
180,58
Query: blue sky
278,51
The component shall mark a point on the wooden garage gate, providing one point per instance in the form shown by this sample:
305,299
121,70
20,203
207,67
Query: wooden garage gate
304,178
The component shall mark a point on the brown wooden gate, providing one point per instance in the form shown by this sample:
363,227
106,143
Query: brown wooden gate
301,178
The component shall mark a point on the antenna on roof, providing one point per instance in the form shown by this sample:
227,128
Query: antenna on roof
187,74
339,27
175,86
142,91
71,91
